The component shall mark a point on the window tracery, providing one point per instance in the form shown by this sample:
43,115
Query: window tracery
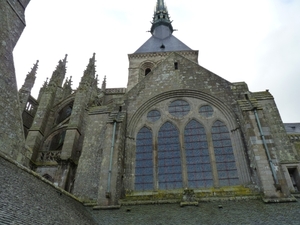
184,152
179,108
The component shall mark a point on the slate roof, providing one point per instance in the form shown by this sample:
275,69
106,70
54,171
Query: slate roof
292,128
162,40
241,212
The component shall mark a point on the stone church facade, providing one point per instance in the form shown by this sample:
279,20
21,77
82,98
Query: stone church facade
178,132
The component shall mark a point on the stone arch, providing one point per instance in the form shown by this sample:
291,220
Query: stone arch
228,115
146,67
224,109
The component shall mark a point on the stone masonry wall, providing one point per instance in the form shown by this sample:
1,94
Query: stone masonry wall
88,170
12,23
26,199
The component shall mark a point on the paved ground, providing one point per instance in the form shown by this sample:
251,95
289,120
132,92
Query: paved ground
221,213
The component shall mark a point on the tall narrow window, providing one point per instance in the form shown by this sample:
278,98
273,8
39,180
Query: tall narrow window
148,70
176,65
197,156
144,164
225,161
169,163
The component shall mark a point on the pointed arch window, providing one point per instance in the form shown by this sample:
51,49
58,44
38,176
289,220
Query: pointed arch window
225,161
144,164
169,162
197,156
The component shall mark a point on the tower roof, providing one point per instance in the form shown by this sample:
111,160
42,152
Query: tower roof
162,39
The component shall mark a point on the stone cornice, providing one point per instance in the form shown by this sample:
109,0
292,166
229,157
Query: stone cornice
161,54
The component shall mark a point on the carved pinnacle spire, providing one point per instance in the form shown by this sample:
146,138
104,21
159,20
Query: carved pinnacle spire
30,78
66,82
90,71
103,87
70,81
45,83
59,74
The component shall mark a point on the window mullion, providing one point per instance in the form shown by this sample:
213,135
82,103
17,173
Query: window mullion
212,158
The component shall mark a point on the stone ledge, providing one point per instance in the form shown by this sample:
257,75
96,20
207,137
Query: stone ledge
107,207
182,204
279,200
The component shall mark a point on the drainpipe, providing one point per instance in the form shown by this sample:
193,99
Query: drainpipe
277,185
108,191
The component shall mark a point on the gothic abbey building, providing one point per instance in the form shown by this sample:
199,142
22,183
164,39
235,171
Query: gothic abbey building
177,133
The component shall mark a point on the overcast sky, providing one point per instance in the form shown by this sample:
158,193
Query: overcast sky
256,41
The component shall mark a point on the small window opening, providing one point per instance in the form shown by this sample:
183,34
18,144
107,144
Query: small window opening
164,16
295,178
148,70
176,65
48,177
158,17
162,46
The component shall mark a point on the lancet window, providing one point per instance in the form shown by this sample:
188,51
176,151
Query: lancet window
184,146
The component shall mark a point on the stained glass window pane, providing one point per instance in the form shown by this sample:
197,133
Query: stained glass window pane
197,156
143,163
169,162
179,108
153,115
206,111
225,160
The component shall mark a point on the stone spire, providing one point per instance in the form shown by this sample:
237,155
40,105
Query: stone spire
67,88
30,78
161,17
59,74
103,87
24,92
89,73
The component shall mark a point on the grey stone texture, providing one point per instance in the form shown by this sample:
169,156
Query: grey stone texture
26,199
12,23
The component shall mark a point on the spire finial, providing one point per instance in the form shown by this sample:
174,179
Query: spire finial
30,78
103,87
59,73
161,16
65,59
45,83
90,71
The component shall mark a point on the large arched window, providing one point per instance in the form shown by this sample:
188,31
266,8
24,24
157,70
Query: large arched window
197,156
227,171
169,163
144,164
184,143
